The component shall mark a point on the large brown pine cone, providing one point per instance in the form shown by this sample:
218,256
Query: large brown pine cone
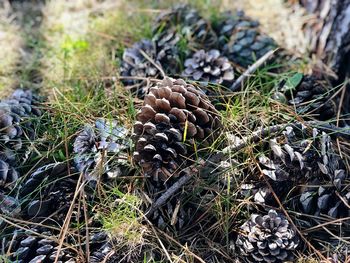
175,119
268,238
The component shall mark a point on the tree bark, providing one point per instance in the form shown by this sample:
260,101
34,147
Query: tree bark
328,32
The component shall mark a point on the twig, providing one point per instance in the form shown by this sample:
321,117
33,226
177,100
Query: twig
251,69
168,193
260,134
154,63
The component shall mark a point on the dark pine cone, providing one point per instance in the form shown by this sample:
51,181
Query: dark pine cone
136,64
48,190
16,126
311,96
209,67
174,114
314,172
169,53
268,238
35,245
104,146
186,21
241,40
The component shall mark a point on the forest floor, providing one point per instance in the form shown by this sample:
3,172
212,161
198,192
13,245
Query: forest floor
67,52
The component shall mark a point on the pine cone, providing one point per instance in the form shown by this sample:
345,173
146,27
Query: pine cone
168,50
136,64
174,114
241,40
187,22
209,67
49,189
268,238
311,96
175,215
15,129
106,145
315,173
9,206
35,245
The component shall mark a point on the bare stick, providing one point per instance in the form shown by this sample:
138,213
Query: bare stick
260,134
168,193
154,63
251,69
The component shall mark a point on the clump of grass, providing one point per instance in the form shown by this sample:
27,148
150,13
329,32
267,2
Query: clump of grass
83,38
10,42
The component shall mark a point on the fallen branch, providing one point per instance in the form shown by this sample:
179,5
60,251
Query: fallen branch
262,133
188,174
168,193
251,69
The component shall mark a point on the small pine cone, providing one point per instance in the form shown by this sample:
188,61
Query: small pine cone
35,246
168,50
241,40
174,114
311,96
136,64
268,238
107,143
209,67
49,189
189,23
16,127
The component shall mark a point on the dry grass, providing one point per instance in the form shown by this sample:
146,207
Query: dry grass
11,43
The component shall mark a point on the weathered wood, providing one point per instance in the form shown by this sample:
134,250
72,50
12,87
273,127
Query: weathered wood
328,33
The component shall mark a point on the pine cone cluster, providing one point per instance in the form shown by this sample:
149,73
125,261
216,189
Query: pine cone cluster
209,67
241,39
311,96
35,245
16,128
103,146
268,238
173,116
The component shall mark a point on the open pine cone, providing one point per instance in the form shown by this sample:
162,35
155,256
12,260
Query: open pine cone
104,146
16,127
186,21
311,96
241,40
35,245
268,238
315,174
137,63
173,116
48,189
209,67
